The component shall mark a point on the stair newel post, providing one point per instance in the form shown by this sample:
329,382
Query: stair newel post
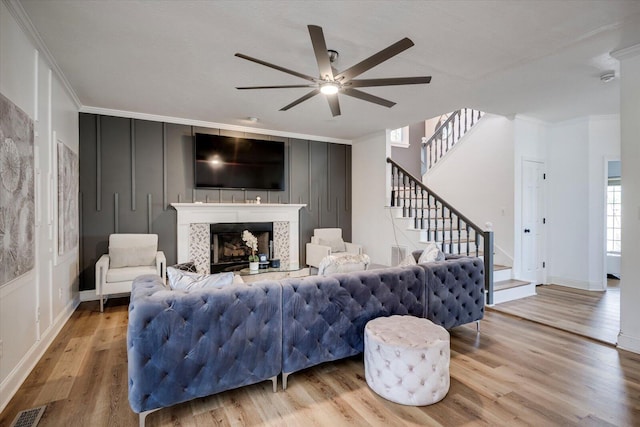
428,215
488,265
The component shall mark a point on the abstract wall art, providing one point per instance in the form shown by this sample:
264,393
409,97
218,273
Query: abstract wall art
68,178
17,201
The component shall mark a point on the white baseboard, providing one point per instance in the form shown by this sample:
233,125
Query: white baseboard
629,343
89,295
578,284
19,374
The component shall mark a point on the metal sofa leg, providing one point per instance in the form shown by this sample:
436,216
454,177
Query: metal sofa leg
143,415
477,326
274,380
284,380
101,304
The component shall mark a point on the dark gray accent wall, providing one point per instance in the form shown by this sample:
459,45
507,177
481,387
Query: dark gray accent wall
132,170
409,158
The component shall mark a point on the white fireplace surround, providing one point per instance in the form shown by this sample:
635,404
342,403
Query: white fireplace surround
215,213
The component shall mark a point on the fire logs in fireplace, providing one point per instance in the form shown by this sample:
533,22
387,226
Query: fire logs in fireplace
228,250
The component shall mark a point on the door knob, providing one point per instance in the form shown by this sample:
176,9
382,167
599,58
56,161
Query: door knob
526,230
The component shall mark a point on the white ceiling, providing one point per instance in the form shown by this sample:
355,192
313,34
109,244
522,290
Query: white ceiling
538,58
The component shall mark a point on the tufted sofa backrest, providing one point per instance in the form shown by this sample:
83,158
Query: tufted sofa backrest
187,344
454,291
324,317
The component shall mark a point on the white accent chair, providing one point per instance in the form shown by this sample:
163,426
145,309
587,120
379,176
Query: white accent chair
130,256
328,241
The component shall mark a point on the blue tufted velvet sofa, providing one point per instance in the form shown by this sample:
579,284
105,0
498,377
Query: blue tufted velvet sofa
187,344
182,345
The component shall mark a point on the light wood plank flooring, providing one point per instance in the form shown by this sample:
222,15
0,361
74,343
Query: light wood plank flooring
591,314
514,373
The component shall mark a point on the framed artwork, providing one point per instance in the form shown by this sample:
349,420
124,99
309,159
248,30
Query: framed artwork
17,195
68,179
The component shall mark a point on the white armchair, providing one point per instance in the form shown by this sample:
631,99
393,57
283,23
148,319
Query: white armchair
130,256
328,241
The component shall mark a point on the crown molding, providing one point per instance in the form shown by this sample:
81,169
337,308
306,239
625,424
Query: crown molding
205,124
627,52
23,20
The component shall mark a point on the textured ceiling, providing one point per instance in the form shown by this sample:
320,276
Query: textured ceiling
176,58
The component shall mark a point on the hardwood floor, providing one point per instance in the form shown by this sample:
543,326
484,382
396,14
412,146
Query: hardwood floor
591,314
514,373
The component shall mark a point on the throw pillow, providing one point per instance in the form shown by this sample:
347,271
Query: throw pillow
336,245
431,253
189,266
184,280
132,256
407,261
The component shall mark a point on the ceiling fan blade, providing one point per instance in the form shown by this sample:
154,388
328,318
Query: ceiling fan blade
334,104
374,60
390,81
273,87
320,49
368,97
276,67
301,99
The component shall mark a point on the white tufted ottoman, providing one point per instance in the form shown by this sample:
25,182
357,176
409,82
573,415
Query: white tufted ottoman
406,359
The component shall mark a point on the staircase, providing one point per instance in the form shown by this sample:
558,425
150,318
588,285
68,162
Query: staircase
435,220
447,135
428,218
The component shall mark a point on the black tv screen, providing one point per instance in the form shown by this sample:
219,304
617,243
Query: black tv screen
228,162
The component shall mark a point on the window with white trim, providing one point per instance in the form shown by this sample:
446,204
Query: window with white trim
614,209
398,137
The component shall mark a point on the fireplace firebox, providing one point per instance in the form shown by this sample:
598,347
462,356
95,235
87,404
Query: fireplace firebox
229,252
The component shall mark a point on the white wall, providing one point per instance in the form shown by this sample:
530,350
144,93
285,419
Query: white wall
630,155
477,177
34,307
576,181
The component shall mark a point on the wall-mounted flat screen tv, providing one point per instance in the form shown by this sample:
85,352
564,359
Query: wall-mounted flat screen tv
239,163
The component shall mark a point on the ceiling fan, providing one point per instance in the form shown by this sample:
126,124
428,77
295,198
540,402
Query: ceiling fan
331,82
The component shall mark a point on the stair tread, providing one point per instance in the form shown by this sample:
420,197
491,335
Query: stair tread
498,267
508,284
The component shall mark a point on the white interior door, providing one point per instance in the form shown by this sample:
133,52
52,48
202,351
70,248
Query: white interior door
532,221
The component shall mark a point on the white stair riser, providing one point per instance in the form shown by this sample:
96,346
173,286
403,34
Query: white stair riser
514,293
501,275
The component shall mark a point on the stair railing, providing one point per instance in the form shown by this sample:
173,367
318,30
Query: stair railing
446,136
441,221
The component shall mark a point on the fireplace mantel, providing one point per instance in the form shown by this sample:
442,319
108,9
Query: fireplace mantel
213,213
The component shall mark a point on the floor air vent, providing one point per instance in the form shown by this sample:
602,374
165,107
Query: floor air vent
29,417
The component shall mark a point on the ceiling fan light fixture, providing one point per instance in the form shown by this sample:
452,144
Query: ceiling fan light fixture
330,88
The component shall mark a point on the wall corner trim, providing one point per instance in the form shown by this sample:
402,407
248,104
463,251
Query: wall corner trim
21,16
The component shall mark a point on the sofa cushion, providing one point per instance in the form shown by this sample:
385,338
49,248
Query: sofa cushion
189,266
179,279
127,274
431,253
336,245
343,263
132,256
